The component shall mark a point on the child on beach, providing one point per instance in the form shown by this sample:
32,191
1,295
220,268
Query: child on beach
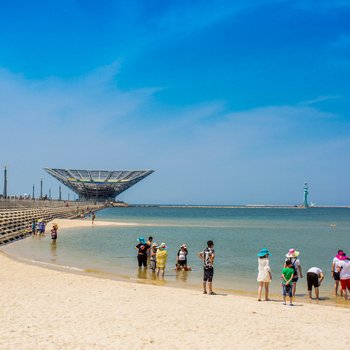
264,274
161,257
287,277
292,255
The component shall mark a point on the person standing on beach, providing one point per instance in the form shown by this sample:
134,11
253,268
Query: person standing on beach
93,217
54,233
208,256
335,273
344,270
33,227
153,257
161,256
292,255
264,274
142,249
287,278
314,278
149,242
41,227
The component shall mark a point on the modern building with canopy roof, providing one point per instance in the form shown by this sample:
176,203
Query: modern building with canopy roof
98,185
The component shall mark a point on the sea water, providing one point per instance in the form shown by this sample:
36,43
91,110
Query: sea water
238,235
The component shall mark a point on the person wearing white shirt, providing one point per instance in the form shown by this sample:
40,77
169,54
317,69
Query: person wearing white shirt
344,270
335,273
314,278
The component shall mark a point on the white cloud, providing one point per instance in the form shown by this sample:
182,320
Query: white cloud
202,154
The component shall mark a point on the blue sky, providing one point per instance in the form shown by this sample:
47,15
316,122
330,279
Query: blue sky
229,102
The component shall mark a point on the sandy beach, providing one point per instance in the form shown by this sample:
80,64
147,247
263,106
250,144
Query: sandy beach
48,309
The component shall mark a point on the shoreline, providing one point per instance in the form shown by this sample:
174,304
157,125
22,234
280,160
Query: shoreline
326,298
49,309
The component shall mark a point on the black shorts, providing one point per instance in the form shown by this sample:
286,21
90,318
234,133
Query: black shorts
208,274
336,276
142,260
182,262
312,280
295,278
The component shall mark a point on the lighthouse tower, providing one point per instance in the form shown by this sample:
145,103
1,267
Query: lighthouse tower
306,193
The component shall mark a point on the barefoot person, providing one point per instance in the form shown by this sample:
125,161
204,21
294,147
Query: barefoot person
335,273
264,274
344,270
292,255
181,258
161,256
314,278
54,233
153,257
208,256
142,248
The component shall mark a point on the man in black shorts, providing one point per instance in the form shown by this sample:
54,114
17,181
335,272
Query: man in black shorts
314,278
208,256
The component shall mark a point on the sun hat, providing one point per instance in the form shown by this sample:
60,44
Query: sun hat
162,246
263,252
340,254
183,246
292,253
141,240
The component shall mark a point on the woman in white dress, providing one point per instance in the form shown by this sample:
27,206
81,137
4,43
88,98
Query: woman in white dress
264,274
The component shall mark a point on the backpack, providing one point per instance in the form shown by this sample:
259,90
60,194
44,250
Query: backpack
295,274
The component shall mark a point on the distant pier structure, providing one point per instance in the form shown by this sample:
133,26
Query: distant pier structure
306,194
98,185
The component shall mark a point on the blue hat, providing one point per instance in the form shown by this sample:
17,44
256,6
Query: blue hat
263,252
141,240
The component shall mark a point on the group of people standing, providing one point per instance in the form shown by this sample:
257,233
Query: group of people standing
292,271
154,256
39,228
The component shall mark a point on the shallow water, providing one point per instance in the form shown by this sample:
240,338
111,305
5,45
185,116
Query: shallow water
238,234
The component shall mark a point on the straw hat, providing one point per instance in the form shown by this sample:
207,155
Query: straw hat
292,253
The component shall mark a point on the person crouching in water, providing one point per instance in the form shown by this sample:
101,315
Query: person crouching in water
161,257
287,277
264,274
181,259
153,257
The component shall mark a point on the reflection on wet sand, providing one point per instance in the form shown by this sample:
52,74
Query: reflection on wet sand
53,251
181,275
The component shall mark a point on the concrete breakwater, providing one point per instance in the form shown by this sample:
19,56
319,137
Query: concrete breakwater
16,223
